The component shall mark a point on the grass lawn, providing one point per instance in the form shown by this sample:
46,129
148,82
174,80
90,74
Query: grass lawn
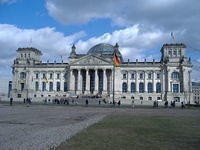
126,132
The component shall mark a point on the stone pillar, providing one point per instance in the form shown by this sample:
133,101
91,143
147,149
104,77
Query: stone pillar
154,82
61,82
136,82
54,81
128,87
111,80
96,81
72,85
168,81
79,81
104,81
87,81
145,82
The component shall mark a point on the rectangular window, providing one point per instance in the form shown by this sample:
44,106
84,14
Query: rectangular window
51,75
158,75
44,75
22,86
158,98
22,75
36,86
65,87
179,52
149,75
141,76
132,76
175,88
58,76
43,86
175,52
124,76
36,75
58,86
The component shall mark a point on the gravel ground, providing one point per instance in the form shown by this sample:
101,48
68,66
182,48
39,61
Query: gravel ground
42,127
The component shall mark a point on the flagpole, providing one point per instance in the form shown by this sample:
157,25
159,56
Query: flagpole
113,83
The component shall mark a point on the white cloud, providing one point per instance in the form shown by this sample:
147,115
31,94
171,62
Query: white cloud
48,40
132,40
167,15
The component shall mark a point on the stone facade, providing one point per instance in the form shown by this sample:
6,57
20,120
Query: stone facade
92,74
196,92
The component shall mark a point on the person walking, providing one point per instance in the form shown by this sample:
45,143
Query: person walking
182,105
119,103
86,102
11,101
133,105
154,104
27,102
166,104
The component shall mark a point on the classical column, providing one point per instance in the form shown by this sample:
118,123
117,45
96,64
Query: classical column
61,81
72,88
128,87
40,81
168,81
79,80
111,80
136,82
54,81
96,81
87,81
145,82
104,81
154,81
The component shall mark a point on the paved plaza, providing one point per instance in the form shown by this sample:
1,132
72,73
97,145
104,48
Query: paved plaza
47,126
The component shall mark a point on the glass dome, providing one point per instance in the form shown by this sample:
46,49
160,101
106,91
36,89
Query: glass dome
102,48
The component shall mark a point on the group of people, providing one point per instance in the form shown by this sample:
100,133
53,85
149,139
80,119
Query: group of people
68,101
60,101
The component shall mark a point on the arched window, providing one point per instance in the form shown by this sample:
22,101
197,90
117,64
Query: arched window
124,87
150,87
22,75
141,87
65,87
175,88
133,88
43,86
158,87
175,75
50,86
58,86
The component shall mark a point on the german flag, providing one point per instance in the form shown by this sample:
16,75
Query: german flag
46,80
116,60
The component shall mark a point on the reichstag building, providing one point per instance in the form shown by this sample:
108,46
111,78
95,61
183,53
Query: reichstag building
92,74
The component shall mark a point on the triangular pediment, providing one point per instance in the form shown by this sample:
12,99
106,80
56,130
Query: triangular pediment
91,60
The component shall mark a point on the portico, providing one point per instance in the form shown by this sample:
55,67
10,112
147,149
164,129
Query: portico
86,81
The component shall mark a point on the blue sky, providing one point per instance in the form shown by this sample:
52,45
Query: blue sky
140,27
